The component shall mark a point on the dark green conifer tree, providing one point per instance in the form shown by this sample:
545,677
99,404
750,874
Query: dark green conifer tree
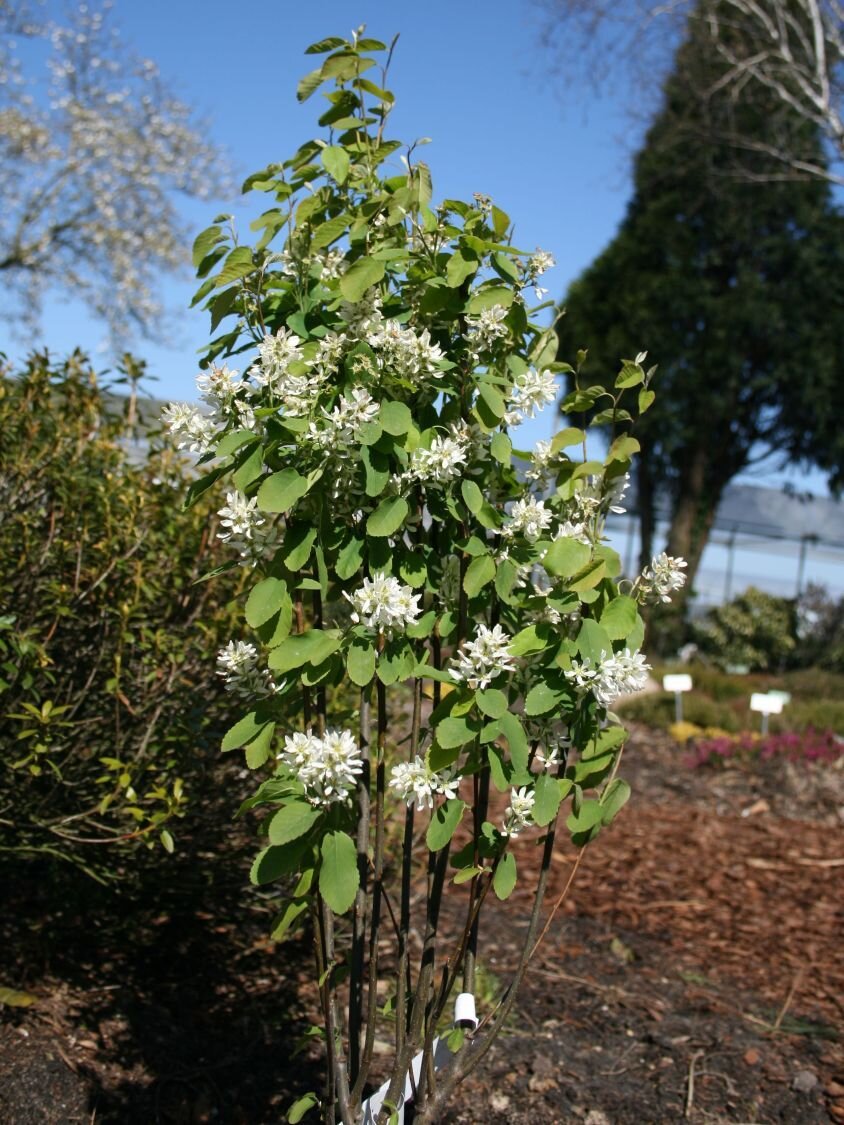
735,287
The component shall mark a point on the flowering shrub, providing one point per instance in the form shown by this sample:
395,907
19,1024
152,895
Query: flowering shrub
397,541
808,746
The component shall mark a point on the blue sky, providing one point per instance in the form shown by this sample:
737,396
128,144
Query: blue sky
472,77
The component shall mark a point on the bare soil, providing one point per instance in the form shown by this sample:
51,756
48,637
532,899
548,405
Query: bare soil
694,973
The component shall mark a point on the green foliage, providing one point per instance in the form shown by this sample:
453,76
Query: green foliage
108,697
755,629
657,710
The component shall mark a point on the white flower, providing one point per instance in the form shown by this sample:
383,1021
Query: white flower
237,663
405,354
245,529
277,353
554,752
345,420
532,392
482,660
520,813
219,386
417,784
329,351
619,674
540,262
332,264
569,530
530,517
327,767
364,316
661,578
541,461
615,494
443,462
199,430
383,603
485,328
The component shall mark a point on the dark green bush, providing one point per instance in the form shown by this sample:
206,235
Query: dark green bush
755,629
657,710
108,699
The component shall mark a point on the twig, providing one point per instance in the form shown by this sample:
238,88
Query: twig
690,1087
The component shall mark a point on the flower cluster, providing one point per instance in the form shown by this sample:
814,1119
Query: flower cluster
659,580
237,663
416,784
484,659
532,391
327,767
537,264
282,370
383,603
198,429
342,425
485,329
443,462
622,673
245,529
519,815
554,752
403,353
529,517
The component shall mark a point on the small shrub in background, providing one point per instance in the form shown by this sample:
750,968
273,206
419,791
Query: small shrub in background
755,629
108,698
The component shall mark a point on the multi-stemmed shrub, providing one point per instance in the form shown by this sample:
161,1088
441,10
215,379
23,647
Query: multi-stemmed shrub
399,547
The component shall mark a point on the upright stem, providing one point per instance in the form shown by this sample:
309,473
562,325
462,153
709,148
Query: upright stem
341,1075
359,910
377,882
403,972
479,811
330,1045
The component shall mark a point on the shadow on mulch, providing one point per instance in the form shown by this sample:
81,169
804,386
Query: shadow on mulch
160,1000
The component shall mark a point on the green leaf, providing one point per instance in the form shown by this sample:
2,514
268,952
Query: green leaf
301,1106
336,162
622,449
323,46
339,878
429,672
297,546
279,492
543,698
472,496
259,749
311,647
413,569
488,297
549,793
493,401
395,418
283,921
591,812
530,639
566,557
462,264
265,600
478,574
619,617
238,264
444,821
291,822
517,743
277,860
491,702
244,732
504,879
501,448
388,517
205,242
167,841
329,231
589,577
456,732
309,84
567,437
360,276
614,798
350,558
646,399
593,641
360,662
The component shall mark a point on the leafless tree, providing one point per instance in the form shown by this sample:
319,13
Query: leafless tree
792,48
94,154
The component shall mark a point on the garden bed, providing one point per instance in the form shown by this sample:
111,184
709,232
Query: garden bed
695,973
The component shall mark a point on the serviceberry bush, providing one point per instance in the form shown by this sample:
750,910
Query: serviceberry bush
434,629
